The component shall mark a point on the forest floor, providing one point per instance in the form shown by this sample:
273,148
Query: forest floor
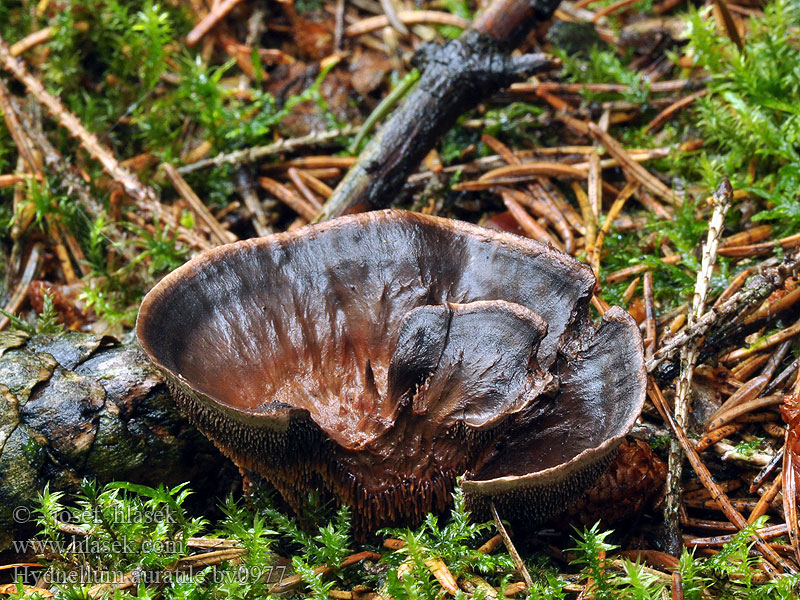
138,134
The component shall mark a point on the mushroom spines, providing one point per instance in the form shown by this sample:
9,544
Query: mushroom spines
533,501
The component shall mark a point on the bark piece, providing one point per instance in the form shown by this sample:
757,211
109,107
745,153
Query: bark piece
76,406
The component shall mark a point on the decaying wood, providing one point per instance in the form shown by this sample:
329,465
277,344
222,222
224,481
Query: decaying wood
456,76
76,405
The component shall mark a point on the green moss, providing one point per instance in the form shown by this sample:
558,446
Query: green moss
139,529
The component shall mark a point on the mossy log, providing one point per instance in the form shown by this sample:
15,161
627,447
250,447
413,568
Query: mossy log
76,406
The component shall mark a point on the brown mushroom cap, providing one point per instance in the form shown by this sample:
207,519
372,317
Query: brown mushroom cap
378,356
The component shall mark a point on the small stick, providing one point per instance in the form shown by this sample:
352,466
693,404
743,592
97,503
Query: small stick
528,223
635,155
745,369
708,524
635,170
248,193
790,488
650,339
766,499
212,18
770,309
761,248
338,30
666,114
653,205
595,185
391,15
21,291
744,408
512,589
313,162
61,251
325,174
676,85
749,236
790,452
393,543
638,269
677,586
492,544
772,429
715,435
443,575
251,155
767,533
724,14
21,140
546,208
316,184
289,583
200,209
767,342
630,290
12,179
561,203
676,323
519,564
699,493
629,189
753,388
556,216
601,305
303,188
758,288
407,17
292,200
31,41
589,222
550,169
784,377
723,197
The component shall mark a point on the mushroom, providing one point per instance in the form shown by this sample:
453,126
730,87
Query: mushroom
377,357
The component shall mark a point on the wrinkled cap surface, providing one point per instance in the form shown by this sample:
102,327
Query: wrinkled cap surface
378,356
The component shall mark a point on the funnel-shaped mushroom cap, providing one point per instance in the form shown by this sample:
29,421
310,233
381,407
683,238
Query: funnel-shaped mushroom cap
572,439
378,356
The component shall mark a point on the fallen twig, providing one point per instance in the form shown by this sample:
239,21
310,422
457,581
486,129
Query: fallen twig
754,291
688,357
406,17
251,155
